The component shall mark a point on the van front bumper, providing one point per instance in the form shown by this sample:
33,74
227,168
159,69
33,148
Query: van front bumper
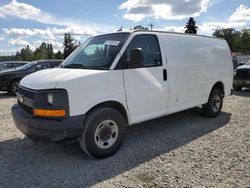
47,129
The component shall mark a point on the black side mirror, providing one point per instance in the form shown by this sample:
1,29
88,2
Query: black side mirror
136,57
34,69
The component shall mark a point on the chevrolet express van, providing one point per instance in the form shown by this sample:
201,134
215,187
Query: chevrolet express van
119,79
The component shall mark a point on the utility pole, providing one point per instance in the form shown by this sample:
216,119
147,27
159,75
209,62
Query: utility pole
151,26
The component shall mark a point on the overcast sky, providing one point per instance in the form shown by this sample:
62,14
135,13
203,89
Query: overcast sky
29,22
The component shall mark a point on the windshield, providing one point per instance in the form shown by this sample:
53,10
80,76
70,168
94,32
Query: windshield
97,53
3,66
247,63
26,66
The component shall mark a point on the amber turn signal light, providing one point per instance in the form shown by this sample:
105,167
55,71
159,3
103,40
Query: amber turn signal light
49,113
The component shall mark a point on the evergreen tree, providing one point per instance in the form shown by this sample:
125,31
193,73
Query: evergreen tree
26,54
59,55
50,54
18,56
68,45
191,27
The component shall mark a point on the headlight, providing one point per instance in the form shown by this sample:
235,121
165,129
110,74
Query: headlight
235,72
50,98
51,103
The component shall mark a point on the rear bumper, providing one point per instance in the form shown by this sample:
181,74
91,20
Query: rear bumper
242,82
47,129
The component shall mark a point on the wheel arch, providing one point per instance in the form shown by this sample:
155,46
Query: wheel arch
11,81
220,86
112,104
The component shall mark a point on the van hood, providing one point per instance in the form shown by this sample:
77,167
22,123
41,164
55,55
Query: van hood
49,78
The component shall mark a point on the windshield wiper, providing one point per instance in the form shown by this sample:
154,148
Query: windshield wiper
94,67
77,66
80,66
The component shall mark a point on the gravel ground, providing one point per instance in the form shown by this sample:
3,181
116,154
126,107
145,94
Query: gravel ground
181,150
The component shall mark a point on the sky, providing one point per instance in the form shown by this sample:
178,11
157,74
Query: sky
30,22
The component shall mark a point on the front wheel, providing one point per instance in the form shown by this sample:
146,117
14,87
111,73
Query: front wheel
214,105
104,132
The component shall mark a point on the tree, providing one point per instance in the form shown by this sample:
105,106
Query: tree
191,27
242,42
50,54
230,35
44,51
59,55
26,53
68,45
41,52
18,56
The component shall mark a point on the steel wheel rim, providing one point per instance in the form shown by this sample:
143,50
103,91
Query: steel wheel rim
15,86
216,103
106,134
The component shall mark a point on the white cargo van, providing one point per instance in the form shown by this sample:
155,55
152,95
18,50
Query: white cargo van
120,79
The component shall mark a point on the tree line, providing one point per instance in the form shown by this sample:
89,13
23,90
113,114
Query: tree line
238,41
44,51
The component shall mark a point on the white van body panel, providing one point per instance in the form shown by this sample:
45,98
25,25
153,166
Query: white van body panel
193,63
45,79
146,92
87,90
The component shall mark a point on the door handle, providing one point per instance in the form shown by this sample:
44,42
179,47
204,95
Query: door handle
165,76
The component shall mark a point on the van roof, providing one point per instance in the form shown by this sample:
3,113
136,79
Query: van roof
171,32
167,32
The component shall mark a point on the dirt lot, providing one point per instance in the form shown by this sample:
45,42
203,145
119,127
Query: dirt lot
180,150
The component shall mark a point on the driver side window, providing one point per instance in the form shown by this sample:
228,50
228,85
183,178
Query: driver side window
149,45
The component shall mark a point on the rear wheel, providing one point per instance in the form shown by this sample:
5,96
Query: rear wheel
13,87
104,132
214,105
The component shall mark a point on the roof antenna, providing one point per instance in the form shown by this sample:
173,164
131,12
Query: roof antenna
120,29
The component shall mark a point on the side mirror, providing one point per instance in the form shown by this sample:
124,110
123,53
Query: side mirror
37,68
136,57
34,69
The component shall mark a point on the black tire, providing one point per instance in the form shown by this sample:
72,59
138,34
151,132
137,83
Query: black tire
96,121
214,105
13,87
237,88
33,139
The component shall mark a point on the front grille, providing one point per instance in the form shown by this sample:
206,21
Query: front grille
243,74
26,92
26,108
